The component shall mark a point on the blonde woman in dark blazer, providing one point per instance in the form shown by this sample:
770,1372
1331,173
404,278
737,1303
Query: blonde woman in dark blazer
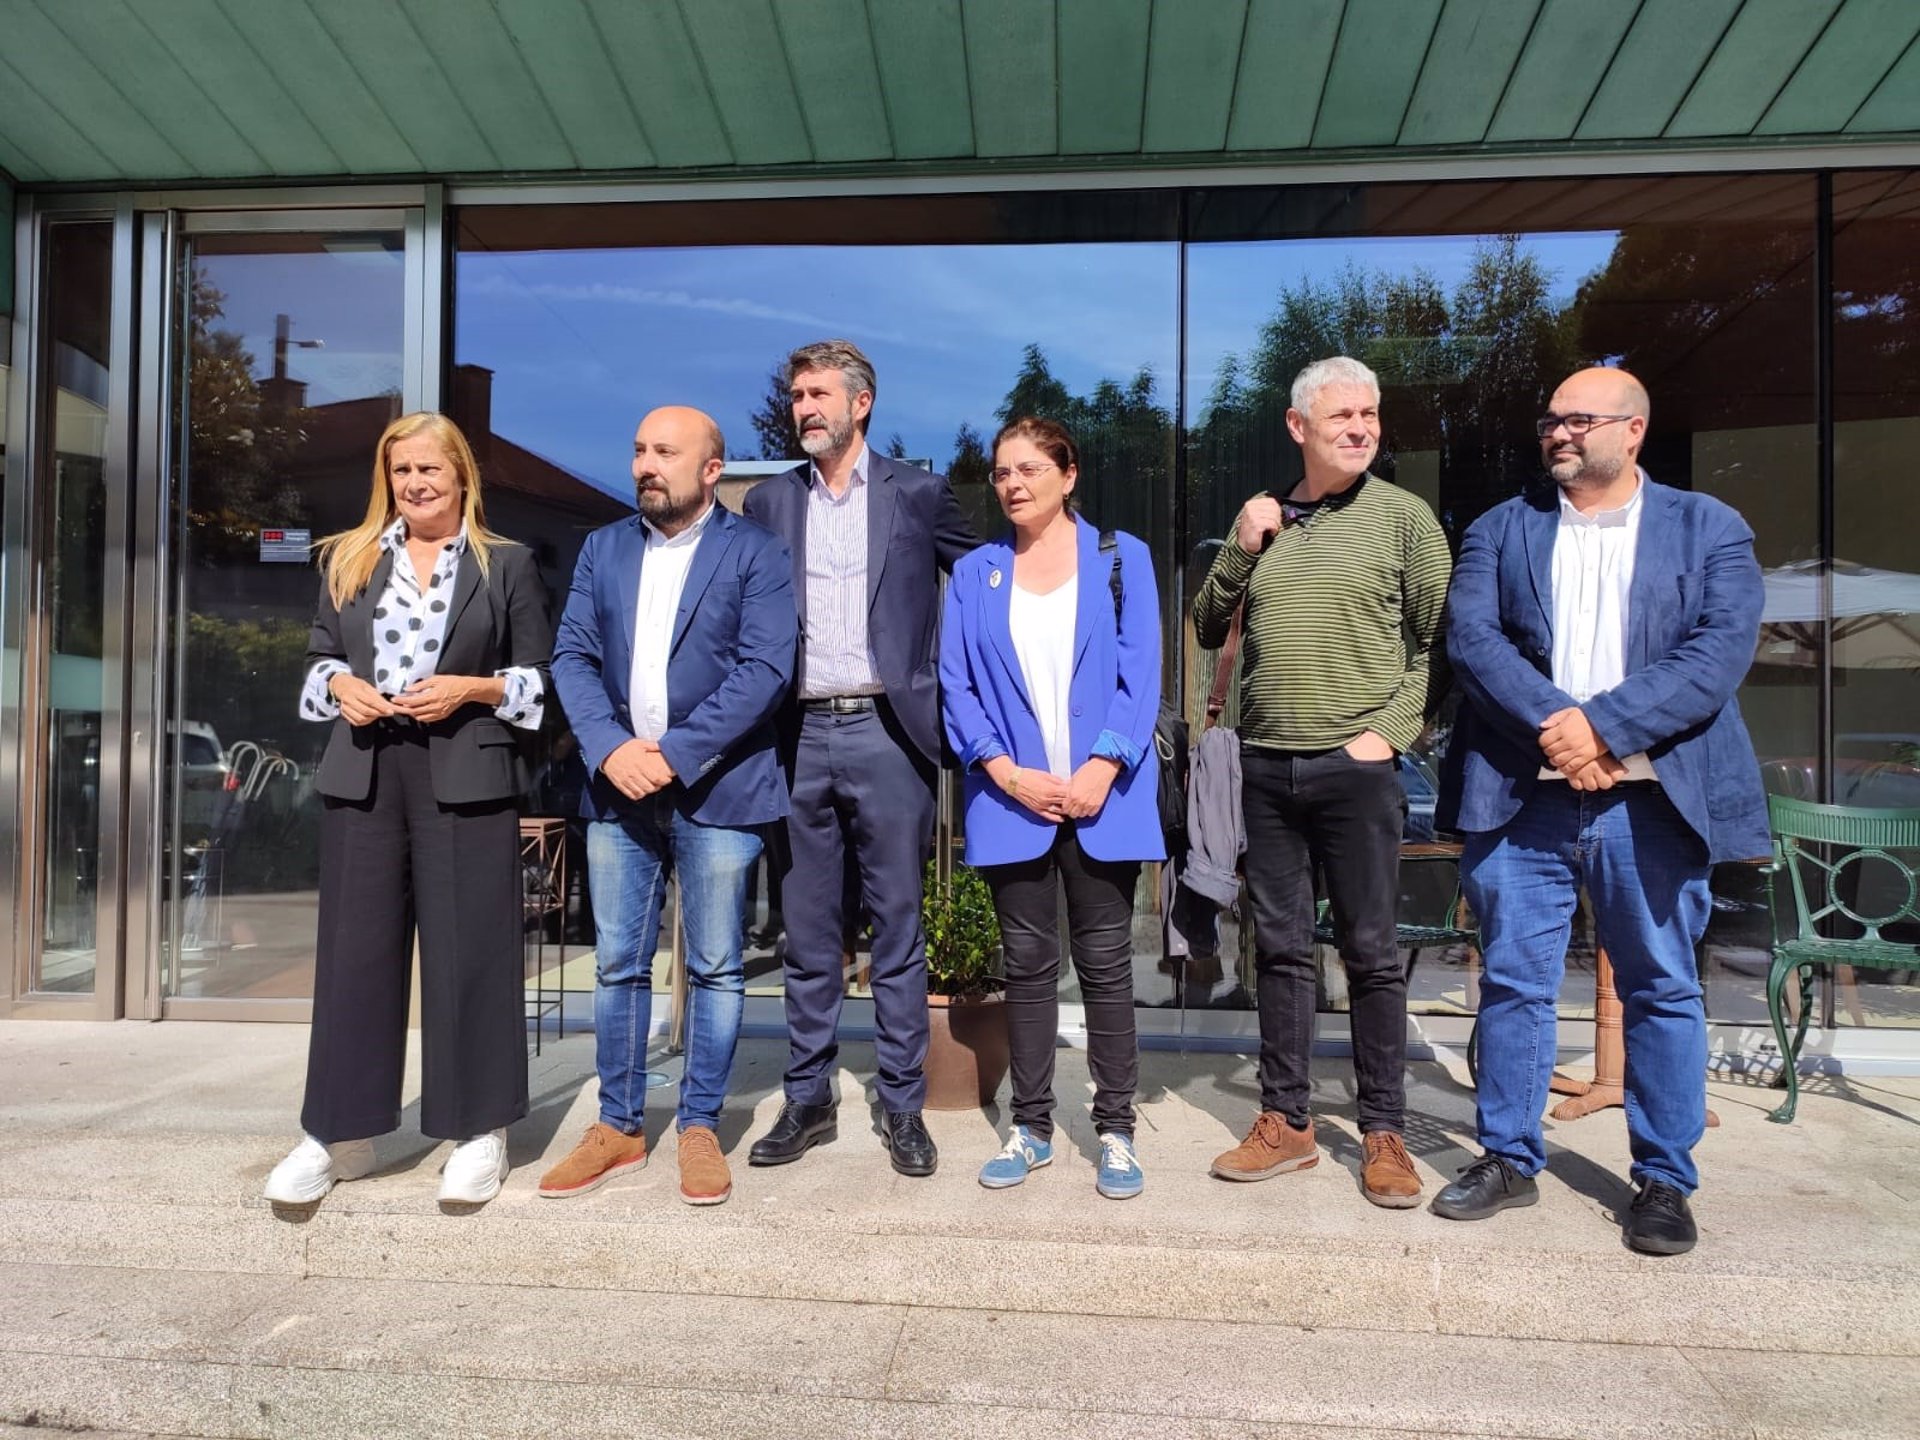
429,658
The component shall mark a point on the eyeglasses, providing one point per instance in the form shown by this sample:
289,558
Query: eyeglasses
1576,424
1028,469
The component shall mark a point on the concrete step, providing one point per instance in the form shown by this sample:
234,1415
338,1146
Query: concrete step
208,1354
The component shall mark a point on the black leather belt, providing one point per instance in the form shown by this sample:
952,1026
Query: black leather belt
842,704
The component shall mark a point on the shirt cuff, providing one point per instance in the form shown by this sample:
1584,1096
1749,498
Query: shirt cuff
983,750
316,703
524,702
1112,745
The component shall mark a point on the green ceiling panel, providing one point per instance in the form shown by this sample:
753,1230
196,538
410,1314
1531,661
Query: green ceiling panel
1011,76
921,48
117,40
746,71
1283,67
200,38
1840,71
670,94
1191,62
64,77
42,144
499,91
837,77
1657,64
1895,106
1760,50
1572,44
399,74
570,63
1383,44
301,57
1103,75
1472,54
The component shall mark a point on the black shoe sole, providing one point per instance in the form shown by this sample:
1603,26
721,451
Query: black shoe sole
905,1168
1659,1244
818,1137
1511,1202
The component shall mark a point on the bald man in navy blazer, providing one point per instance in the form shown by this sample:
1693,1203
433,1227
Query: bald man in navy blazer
869,538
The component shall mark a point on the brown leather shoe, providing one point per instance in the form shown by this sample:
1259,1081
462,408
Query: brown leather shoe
1388,1177
704,1177
603,1152
1272,1147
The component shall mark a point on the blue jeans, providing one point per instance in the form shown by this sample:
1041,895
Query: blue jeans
1645,870
629,862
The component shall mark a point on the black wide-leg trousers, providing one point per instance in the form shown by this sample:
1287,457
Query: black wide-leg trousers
393,862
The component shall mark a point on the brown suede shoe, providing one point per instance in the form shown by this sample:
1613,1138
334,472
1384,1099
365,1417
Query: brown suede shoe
1388,1177
603,1152
1272,1147
704,1177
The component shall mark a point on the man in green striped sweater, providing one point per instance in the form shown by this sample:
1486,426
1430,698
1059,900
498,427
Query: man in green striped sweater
1344,581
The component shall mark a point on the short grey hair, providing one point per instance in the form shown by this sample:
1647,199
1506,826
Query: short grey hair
1334,370
842,355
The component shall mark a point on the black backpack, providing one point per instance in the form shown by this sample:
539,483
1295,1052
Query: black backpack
1169,729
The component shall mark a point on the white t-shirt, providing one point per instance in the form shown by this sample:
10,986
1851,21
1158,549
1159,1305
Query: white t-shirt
1042,627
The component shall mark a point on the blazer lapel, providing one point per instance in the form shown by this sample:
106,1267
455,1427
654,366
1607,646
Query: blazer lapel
706,560
790,524
356,621
1541,526
466,584
1653,565
880,505
996,606
1093,596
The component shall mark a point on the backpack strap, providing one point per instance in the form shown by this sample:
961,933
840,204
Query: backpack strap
1223,667
1110,545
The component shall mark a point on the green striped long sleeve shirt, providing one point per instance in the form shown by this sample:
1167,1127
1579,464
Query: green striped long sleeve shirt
1342,624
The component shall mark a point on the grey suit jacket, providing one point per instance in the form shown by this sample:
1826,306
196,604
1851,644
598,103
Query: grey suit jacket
495,622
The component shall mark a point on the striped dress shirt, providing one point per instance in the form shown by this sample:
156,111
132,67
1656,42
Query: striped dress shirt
836,658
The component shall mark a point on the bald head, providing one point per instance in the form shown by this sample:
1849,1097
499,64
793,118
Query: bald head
1605,451
678,457
1607,391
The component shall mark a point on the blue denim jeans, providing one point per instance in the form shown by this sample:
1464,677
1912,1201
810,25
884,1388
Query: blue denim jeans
629,862
1645,870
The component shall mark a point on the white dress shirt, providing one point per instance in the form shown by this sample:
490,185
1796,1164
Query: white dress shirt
409,626
835,658
1042,627
663,578
1592,577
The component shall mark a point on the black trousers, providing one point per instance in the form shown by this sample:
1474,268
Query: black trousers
393,861
1345,816
1026,896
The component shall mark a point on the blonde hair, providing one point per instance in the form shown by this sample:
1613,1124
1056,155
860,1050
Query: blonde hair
349,558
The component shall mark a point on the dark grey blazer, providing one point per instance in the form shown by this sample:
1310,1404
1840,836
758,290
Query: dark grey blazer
494,622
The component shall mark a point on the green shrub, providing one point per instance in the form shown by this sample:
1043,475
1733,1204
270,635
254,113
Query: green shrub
963,934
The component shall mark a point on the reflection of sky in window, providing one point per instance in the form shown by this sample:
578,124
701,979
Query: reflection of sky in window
582,343
349,298
1234,288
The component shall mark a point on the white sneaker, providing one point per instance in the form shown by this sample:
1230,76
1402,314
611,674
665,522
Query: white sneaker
309,1172
475,1170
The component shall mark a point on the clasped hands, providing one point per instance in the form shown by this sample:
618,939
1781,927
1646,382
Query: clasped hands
1079,797
427,701
638,769
1571,747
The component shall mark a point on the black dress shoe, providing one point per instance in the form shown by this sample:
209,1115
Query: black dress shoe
1486,1187
798,1128
1660,1221
908,1142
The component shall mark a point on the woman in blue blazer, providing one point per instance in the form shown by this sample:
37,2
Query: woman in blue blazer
1050,683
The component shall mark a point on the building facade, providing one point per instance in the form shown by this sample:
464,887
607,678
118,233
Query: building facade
241,242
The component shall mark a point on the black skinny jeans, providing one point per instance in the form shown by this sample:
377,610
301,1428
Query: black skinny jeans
1344,815
1026,895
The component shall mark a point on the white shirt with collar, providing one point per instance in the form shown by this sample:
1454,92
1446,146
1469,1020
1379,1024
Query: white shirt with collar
663,579
1593,557
835,658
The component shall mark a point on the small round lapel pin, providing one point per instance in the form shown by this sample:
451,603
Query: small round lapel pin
993,581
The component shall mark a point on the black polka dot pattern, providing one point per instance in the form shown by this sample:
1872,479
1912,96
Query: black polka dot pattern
402,657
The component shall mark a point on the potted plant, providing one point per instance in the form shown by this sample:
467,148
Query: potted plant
967,1017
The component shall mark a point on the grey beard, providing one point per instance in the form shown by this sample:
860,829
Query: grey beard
1593,474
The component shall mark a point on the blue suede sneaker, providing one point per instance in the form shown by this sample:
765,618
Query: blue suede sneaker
1118,1177
1024,1152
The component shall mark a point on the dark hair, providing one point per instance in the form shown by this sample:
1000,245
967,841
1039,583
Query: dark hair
1050,437
856,370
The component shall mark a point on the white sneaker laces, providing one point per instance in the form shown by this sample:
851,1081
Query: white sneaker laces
1018,1147
1119,1154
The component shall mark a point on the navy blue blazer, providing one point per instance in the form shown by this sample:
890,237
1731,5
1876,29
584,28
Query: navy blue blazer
731,661
915,529
1114,696
1693,621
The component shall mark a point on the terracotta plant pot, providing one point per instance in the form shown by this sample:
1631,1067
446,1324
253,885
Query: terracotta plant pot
966,1051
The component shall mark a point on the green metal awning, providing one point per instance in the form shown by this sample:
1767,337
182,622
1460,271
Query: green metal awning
150,91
